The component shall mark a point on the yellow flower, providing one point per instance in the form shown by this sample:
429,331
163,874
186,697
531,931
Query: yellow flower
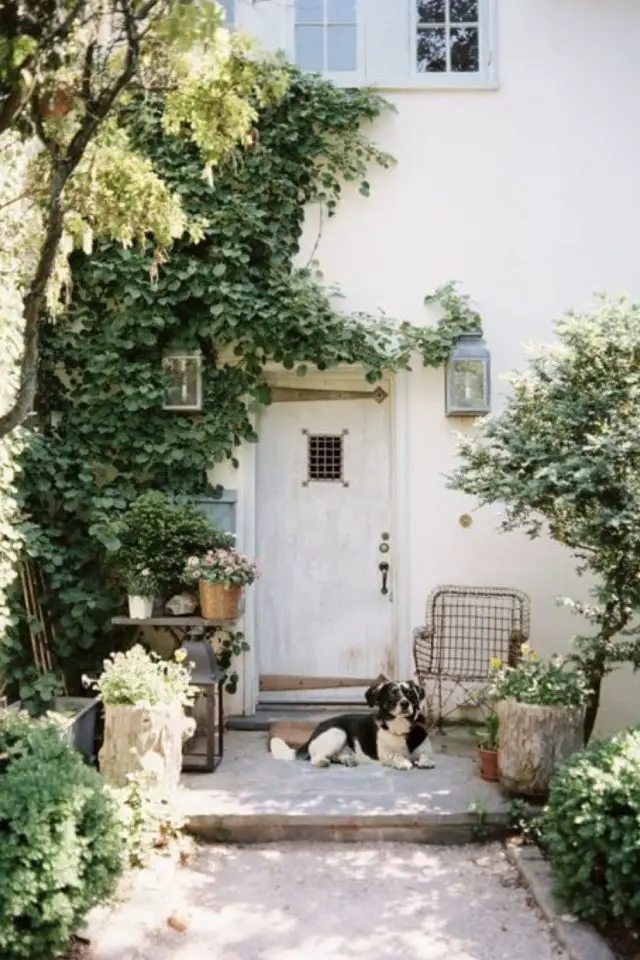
180,655
496,663
525,649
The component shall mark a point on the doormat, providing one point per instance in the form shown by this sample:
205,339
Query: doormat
294,732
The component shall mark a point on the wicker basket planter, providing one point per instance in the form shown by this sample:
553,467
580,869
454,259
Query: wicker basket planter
219,601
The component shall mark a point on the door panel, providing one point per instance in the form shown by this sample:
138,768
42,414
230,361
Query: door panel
320,609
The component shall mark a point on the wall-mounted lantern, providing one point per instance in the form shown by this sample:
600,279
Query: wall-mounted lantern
184,369
468,378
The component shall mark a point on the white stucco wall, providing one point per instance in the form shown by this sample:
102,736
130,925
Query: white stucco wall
529,196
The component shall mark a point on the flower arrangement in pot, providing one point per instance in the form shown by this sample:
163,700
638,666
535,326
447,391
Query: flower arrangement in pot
488,747
145,726
221,575
540,707
142,589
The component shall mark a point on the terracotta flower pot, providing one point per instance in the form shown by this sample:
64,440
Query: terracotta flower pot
488,764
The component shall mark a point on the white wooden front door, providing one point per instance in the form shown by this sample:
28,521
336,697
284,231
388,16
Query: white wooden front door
323,512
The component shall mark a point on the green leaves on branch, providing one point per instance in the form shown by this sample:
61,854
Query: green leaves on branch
564,458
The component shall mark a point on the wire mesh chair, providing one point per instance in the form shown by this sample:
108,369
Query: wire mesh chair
466,627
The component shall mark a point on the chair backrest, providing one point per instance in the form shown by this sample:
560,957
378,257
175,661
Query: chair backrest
465,629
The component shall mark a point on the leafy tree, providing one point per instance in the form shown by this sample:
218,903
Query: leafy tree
70,171
563,458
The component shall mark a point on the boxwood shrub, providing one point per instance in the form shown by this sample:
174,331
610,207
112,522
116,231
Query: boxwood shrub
592,831
60,839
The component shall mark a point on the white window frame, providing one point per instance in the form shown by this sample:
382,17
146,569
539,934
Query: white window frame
486,77
342,78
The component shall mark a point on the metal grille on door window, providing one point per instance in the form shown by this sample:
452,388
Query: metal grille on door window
325,458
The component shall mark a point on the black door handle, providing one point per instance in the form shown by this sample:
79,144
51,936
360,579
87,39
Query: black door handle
383,567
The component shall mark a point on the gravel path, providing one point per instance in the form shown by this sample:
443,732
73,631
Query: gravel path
333,902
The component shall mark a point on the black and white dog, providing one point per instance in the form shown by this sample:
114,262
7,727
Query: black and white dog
395,735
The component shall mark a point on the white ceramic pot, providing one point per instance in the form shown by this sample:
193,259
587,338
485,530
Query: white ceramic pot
140,608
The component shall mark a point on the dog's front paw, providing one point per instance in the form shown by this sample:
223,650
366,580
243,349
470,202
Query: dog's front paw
349,760
401,763
424,763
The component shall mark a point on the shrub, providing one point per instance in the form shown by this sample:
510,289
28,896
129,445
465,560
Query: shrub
158,533
137,677
60,840
557,682
592,830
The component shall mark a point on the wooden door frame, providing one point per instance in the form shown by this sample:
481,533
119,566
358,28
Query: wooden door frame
399,427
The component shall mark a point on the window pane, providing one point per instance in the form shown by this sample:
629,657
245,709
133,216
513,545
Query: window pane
431,11
465,52
309,11
432,51
464,11
310,48
341,11
228,7
341,48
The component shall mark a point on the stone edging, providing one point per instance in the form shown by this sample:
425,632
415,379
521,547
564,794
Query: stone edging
579,939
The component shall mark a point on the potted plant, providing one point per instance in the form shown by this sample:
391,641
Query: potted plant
142,588
221,576
158,532
145,724
488,748
540,707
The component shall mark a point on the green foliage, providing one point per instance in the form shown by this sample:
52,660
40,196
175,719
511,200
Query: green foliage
238,297
488,738
592,830
61,849
564,458
137,677
158,532
526,821
230,646
556,682
150,822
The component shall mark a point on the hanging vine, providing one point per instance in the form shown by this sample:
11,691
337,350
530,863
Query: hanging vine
237,288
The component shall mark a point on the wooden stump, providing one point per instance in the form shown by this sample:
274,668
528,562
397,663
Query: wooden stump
148,740
534,741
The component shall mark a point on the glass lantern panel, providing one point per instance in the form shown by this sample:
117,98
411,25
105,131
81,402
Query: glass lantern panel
467,388
185,377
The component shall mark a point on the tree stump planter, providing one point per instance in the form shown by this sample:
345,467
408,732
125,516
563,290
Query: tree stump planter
534,741
143,739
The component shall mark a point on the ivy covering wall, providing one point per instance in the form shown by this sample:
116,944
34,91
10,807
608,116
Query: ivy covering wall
238,287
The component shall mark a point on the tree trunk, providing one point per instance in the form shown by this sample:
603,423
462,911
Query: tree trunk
145,740
533,742
593,703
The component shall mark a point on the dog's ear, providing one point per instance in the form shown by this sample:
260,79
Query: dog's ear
373,692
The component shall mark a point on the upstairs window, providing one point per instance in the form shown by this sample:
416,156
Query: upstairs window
449,37
326,36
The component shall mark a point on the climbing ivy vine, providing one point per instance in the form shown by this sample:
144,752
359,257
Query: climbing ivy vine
104,437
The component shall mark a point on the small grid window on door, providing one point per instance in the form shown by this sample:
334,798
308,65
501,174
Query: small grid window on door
326,36
448,36
325,458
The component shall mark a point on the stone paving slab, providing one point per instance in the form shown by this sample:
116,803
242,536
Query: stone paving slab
254,798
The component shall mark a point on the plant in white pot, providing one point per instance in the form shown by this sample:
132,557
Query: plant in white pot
145,724
221,575
142,589
540,707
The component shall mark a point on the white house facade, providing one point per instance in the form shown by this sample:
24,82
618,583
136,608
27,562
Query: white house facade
516,135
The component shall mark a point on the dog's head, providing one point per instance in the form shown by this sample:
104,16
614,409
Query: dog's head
395,700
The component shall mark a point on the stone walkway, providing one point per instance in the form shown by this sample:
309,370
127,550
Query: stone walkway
331,902
253,797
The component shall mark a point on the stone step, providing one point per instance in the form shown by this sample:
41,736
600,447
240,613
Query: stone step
253,798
